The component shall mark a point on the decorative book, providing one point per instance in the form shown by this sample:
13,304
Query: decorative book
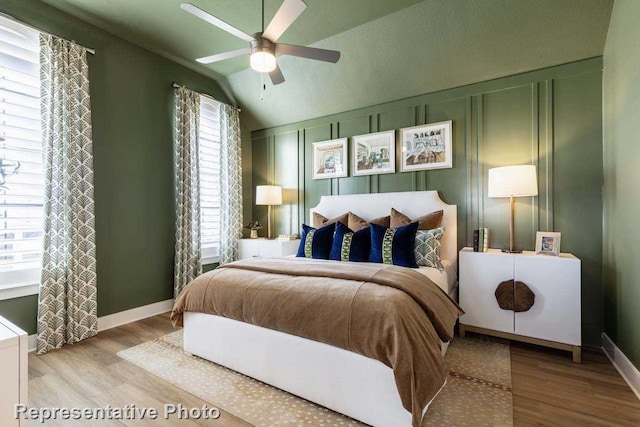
481,240
287,237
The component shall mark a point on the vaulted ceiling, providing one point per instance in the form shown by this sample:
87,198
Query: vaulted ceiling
391,49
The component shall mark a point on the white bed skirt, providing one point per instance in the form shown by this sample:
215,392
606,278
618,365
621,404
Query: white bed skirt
343,381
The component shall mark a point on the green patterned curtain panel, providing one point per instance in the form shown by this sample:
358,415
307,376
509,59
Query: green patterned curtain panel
187,180
67,303
230,183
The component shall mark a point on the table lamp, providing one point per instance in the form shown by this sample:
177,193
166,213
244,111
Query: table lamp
513,181
270,195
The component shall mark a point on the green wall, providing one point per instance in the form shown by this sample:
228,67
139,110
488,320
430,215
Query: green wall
551,118
621,89
132,108
21,311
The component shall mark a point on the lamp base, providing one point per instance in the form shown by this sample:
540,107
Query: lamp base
512,251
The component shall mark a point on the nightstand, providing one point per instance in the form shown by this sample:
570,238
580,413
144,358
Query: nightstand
253,248
552,321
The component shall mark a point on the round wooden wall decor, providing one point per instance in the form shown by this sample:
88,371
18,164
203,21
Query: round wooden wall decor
523,299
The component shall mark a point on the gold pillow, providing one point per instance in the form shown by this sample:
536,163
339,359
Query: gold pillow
427,222
356,223
321,220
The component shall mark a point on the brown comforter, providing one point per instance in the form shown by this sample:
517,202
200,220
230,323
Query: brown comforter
392,314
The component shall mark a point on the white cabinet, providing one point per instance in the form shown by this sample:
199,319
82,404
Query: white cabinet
480,276
13,372
556,314
554,320
252,248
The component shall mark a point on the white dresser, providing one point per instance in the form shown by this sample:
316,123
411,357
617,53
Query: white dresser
554,320
252,248
13,372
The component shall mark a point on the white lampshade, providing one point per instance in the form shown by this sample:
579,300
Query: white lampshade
517,181
268,195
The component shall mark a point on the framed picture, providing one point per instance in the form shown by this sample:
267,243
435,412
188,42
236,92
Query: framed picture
330,159
426,147
374,153
548,243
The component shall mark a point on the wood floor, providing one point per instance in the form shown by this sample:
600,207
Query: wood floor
90,374
548,389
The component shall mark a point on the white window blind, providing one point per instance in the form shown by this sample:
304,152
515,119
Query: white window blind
209,152
21,196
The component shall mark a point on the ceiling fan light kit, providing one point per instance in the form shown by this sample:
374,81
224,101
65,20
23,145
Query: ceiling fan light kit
262,49
262,58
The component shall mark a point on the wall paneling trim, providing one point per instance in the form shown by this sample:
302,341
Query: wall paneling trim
551,118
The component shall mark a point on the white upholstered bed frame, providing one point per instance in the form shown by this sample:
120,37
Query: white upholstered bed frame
346,382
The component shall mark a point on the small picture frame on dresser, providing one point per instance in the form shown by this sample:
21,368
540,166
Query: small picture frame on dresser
547,243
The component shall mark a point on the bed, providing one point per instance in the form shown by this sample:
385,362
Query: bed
347,382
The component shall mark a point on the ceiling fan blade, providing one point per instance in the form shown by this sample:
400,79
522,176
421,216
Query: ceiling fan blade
284,17
276,76
222,56
206,16
308,52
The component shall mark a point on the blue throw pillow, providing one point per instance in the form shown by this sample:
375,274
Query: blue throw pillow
349,245
394,245
316,242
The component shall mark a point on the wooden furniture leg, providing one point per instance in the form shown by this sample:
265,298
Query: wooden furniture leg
577,354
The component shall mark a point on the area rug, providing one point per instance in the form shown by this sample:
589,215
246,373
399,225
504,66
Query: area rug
478,390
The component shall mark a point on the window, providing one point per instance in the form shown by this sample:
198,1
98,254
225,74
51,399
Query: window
21,170
209,154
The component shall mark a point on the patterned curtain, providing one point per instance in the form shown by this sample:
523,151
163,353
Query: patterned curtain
187,180
67,303
230,184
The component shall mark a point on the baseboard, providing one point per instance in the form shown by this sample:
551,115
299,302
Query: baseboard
627,370
122,318
135,314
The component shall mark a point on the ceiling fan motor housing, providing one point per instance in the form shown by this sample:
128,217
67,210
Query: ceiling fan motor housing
260,44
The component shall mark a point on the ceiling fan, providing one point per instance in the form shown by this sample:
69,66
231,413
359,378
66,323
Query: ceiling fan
263,48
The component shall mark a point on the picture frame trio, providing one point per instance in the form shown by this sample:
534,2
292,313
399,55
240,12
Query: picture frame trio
424,147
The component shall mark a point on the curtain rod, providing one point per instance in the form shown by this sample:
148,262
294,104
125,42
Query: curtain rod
17,21
176,85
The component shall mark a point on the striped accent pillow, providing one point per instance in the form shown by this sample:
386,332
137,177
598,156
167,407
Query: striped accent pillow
394,245
349,245
316,242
